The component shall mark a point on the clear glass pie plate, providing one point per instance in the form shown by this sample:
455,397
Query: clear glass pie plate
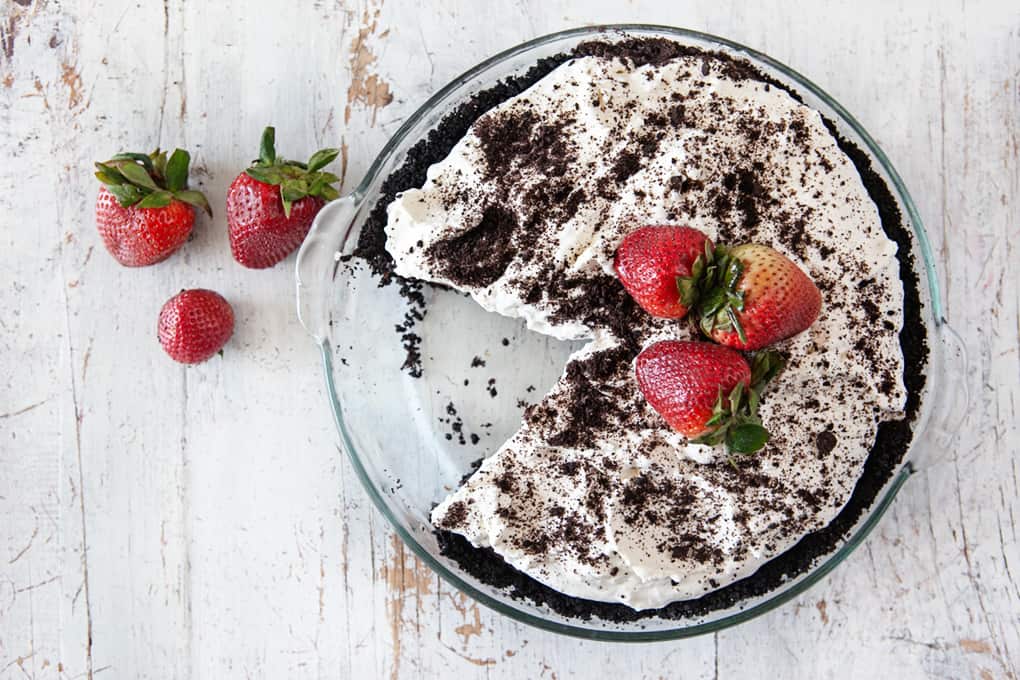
395,428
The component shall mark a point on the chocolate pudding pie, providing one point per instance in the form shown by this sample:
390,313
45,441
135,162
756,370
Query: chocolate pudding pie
520,199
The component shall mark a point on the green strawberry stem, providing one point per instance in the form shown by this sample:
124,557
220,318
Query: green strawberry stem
734,419
711,292
718,300
150,180
295,179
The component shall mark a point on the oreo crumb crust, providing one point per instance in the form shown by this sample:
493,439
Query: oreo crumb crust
893,436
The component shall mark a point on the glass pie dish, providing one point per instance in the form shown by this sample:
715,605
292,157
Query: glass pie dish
410,450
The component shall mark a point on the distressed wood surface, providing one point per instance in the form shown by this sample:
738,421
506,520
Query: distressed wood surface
162,522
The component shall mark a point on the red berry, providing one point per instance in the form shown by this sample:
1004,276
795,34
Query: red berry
261,235
779,300
271,205
194,325
650,262
142,236
144,208
683,381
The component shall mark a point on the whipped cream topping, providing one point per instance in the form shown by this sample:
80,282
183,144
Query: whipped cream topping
595,496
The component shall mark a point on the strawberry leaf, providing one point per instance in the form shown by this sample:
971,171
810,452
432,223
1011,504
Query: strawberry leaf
731,273
265,175
138,176
317,184
716,419
293,189
687,287
735,396
764,367
157,199
142,158
177,170
109,175
296,180
158,164
747,438
195,198
735,322
127,194
713,438
290,191
713,302
267,148
322,158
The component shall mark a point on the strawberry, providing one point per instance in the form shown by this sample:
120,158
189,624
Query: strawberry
707,392
144,209
754,296
659,266
271,205
194,325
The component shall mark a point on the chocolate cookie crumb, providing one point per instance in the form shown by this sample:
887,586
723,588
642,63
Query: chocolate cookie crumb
826,442
479,256
455,515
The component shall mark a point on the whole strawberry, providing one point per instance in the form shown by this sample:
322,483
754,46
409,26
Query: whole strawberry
271,205
754,296
707,392
194,325
144,209
660,267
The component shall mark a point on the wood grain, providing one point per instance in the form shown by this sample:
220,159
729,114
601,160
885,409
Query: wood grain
162,522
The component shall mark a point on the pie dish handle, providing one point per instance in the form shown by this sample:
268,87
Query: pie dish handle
952,394
318,259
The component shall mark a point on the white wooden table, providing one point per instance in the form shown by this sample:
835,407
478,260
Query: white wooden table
163,522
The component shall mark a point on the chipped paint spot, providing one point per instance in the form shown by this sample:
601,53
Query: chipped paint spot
406,573
478,662
975,646
71,77
8,80
821,605
40,92
547,668
8,34
367,88
405,576
470,628
343,161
